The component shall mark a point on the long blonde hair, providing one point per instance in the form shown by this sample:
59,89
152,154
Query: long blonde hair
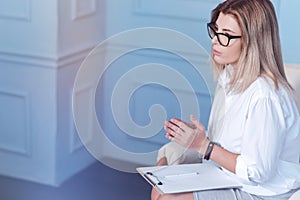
261,50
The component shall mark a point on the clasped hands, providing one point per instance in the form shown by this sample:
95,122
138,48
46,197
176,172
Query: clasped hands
190,135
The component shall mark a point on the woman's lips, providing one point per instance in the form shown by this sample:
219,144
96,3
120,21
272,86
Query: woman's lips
216,53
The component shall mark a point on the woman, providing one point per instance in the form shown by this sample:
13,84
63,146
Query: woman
254,118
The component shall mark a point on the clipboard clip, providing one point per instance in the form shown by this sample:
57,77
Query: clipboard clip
151,174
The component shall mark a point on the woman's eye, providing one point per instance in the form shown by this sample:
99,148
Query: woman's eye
227,34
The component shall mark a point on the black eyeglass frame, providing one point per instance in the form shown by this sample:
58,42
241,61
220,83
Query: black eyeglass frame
230,37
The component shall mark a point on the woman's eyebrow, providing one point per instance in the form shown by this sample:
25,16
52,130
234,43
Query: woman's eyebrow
228,30
224,29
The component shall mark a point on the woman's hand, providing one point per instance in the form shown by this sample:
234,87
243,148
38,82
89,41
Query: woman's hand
190,135
155,195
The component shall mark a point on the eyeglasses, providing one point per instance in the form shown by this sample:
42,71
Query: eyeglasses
223,38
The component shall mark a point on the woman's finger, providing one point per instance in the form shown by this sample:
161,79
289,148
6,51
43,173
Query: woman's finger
171,126
170,133
180,124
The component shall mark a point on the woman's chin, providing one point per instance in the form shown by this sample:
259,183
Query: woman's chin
218,60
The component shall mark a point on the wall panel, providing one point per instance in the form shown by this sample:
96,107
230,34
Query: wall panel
16,10
15,129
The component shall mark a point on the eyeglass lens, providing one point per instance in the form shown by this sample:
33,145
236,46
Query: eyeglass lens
223,39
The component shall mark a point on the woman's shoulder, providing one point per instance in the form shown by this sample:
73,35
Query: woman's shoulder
264,87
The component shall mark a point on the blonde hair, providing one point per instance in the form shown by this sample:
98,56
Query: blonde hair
261,50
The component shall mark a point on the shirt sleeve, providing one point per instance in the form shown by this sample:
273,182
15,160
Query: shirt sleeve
262,140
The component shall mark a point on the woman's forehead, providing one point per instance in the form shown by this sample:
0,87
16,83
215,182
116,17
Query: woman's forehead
228,22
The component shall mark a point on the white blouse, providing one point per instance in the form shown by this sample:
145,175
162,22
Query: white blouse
262,125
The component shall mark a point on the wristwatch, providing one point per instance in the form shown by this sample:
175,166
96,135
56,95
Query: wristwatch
210,149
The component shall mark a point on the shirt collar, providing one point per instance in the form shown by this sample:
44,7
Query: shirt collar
225,77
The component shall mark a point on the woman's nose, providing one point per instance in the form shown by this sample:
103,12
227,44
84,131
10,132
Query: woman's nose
214,40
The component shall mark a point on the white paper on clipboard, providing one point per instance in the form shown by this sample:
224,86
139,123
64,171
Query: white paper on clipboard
187,178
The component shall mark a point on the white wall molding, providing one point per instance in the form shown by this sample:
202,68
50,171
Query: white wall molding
197,57
75,141
16,137
22,58
73,57
83,8
16,10
43,61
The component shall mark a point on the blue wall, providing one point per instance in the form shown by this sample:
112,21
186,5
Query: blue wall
289,16
187,17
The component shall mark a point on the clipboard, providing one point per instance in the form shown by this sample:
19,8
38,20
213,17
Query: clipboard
187,178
